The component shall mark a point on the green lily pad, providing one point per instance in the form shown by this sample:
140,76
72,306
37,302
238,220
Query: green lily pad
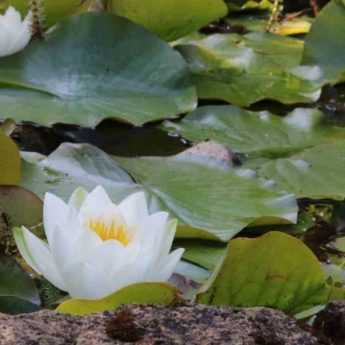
95,66
315,173
174,18
207,254
143,293
72,166
274,270
257,133
209,196
18,293
324,45
245,69
9,161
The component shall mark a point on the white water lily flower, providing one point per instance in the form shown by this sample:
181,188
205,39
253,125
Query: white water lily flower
96,247
15,34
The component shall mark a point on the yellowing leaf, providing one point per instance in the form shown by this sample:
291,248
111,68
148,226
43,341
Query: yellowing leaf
9,161
143,293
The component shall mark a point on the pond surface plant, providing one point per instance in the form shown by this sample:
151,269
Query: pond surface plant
155,153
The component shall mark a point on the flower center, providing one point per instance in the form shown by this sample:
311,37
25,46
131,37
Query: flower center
110,231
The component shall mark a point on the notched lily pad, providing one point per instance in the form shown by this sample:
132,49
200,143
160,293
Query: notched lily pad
92,67
245,69
211,200
257,133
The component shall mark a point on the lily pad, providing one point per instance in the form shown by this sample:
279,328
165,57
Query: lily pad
9,161
324,45
257,133
210,197
174,19
72,166
143,293
245,69
274,270
315,173
95,66
18,293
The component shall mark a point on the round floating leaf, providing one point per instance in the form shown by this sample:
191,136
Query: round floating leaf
324,45
259,133
174,18
210,197
143,293
9,161
21,206
72,166
18,293
274,270
95,66
316,173
245,69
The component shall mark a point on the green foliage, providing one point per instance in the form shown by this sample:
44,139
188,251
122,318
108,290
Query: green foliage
174,18
274,270
95,80
257,133
143,293
18,293
210,197
316,173
244,69
325,43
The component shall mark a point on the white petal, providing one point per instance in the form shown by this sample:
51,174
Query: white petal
68,250
134,209
169,236
167,266
55,213
37,254
16,33
94,204
151,233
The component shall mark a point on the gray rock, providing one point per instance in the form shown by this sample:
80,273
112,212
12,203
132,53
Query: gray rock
154,325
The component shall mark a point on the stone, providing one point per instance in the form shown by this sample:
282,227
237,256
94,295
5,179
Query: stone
156,325
329,324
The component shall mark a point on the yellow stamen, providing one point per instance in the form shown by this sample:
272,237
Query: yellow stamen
112,231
